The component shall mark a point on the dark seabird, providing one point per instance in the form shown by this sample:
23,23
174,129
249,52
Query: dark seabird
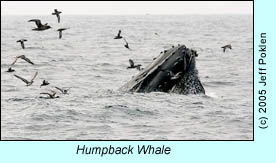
118,35
44,83
57,13
63,91
138,67
60,32
10,70
126,45
226,46
156,34
24,58
51,95
28,83
172,75
22,42
40,27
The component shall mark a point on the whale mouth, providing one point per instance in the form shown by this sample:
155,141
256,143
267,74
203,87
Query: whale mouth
172,71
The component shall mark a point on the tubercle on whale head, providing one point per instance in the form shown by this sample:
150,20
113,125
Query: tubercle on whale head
194,52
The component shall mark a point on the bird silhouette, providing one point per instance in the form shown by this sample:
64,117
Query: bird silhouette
51,95
57,13
40,26
22,42
132,65
118,35
226,47
22,57
60,31
28,83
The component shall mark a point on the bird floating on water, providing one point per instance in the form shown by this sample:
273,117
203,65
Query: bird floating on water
60,32
40,26
132,65
57,13
28,83
226,46
22,57
10,70
118,35
22,42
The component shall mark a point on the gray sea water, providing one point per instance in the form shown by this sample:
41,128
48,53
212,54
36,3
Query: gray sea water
93,65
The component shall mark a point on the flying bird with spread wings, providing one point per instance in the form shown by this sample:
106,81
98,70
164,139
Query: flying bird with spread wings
22,42
60,31
132,65
40,26
28,83
63,91
22,57
57,13
226,47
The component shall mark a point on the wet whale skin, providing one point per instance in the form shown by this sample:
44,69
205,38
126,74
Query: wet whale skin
156,77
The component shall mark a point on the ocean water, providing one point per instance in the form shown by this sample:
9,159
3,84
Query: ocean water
93,65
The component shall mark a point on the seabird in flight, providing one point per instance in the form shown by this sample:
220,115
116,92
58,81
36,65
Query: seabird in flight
57,13
28,83
22,42
172,75
226,46
44,83
138,67
22,57
126,45
40,27
118,35
60,32
63,91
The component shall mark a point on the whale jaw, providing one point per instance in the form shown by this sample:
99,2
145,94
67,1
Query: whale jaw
158,76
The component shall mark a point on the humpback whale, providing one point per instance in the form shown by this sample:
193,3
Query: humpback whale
173,71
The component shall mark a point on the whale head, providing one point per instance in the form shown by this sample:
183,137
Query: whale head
174,71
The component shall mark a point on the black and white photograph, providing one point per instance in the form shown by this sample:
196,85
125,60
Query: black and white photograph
127,70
